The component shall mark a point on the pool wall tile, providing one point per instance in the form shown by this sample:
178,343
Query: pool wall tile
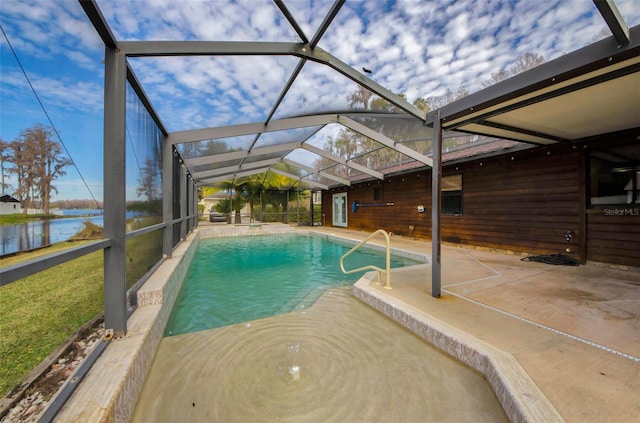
245,230
423,258
519,396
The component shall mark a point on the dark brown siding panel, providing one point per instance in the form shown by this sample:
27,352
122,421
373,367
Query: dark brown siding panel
524,202
613,237
401,218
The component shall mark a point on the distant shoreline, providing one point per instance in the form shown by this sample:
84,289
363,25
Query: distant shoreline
11,219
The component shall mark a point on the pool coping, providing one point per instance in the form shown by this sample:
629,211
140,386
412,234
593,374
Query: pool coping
521,399
111,388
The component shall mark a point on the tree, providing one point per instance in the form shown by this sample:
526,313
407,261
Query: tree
251,190
522,63
50,164
496,77
22,161
361,97
37,162
525,62
4,158
422,104
149,176
234,203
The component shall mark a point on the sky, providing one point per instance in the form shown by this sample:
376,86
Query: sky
418,48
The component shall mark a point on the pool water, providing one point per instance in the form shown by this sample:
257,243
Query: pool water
238,279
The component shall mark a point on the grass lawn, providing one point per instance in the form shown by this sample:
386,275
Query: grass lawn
10,219
40,312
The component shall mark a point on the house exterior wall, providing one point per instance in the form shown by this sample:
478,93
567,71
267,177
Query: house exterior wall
614,236
10,208
525,202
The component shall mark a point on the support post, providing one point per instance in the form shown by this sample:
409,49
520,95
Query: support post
311,208
287,209
183,203
188,215
582,199
196,212
167,197
115,296
436,206
232,216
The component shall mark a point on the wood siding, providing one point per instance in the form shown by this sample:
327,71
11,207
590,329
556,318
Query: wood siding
613,235
406,193
524,202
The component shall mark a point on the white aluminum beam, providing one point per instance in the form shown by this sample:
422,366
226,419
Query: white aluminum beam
314,184
323,153
381,138
366,170
231,175
317,172
236,155
298,178
340,160
299,165
250,128
228,169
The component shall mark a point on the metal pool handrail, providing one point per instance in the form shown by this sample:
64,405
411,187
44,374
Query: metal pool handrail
371,267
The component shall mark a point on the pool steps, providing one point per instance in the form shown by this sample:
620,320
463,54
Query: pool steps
301,301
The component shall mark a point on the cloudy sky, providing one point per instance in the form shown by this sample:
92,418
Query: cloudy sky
420,48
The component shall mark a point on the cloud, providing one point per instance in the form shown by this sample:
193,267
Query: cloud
418,48
404,42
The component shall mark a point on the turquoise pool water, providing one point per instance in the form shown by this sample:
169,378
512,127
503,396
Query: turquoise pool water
238,279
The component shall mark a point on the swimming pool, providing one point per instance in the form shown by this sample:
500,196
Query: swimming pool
238,279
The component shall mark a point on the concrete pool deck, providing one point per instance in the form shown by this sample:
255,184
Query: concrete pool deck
574,330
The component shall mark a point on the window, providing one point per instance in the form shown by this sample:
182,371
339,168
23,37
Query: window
377,193
614,176
452,194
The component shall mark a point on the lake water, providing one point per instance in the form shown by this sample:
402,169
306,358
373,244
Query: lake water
39,233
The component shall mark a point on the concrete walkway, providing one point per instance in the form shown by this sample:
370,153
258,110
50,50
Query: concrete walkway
575,330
